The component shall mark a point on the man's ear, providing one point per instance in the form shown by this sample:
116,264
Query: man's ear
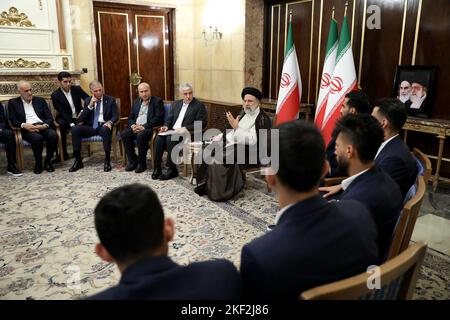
101,251
169,229
350,151
352,110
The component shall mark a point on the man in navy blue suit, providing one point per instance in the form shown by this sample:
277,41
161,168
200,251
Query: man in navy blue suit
314,241
67,102
8,138
33,115
393,156
97,118
147,112
134,234
355,102
358,138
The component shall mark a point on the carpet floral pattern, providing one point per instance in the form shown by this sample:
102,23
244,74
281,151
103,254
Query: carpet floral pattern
47,234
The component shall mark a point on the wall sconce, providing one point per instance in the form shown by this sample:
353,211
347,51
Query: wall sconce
211,33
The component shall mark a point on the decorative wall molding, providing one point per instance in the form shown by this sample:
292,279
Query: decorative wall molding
14,18
22,63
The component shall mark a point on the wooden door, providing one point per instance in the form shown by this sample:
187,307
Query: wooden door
134,43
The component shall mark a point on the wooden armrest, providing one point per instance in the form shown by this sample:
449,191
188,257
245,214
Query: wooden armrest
328,182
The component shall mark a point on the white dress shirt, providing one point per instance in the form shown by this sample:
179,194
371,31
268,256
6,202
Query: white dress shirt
30,114
100,115
181,116
142,117
70,100
280,213
384,145
346,182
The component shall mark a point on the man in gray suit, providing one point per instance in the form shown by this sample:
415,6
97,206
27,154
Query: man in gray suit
182,116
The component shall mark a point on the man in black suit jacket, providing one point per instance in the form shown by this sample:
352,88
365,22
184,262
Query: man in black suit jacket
182,116
134,234
67,102
393,156
147,112
354,102
358,138
8,138
33,115
314,242
97,118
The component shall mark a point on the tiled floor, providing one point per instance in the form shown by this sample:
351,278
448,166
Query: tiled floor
433,224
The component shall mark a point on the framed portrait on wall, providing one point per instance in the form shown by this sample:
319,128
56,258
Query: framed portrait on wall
414,86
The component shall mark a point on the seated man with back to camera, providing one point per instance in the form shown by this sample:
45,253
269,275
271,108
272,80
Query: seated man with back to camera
146,112
182,116
358,138
314,241
97,118
134,234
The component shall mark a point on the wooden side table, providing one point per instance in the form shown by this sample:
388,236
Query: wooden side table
438,127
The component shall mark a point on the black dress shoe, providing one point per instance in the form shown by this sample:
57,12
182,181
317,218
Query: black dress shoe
169,174
107,167
156,173
12,170
200,189
48,166
140,169
131,166
78,164
38,169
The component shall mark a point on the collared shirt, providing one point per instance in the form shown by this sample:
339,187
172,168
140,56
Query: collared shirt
384,145
142,117
181,116
245,133
100,115
30,114
280,213
346,182
70,100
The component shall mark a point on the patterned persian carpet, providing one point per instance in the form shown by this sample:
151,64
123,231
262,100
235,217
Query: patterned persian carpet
47,234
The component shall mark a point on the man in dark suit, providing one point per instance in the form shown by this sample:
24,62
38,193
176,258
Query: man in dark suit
354,102
182,116
147,112
67,102
33,115
97,118
358,138
393,156
8,138
134,234
314,242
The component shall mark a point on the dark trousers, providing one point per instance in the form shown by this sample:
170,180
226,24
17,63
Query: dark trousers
8,138
80,132
37,143
64,127
163,143
142,138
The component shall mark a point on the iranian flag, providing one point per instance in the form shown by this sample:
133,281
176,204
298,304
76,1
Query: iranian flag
288,104
327,73
344,81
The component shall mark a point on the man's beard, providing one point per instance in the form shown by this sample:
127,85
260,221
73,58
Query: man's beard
342,165
415,98
404,97
249,110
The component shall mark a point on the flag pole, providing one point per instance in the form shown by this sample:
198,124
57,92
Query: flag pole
345,11
332,13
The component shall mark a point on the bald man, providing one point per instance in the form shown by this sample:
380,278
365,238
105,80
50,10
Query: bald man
33,115
147,112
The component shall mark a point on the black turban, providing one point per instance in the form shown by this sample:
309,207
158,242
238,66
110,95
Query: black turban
421,79
253,91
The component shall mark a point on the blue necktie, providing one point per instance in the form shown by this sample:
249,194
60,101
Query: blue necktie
96,114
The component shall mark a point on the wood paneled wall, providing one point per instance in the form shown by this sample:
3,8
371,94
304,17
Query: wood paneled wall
413,32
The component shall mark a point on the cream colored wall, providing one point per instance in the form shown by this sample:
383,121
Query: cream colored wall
216,71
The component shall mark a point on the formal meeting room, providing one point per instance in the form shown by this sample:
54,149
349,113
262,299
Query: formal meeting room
224,150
